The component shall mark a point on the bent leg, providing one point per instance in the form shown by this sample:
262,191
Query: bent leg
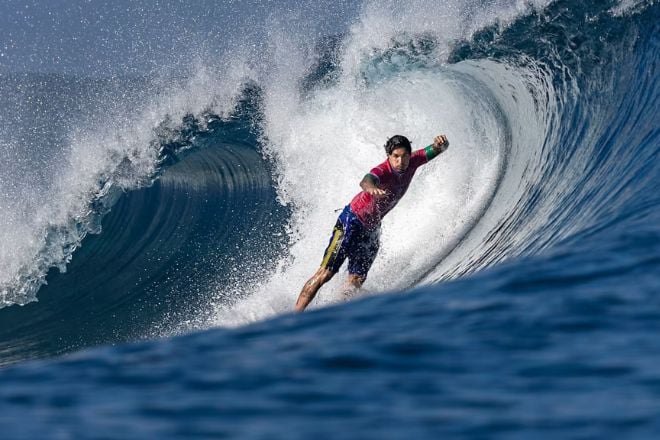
312,286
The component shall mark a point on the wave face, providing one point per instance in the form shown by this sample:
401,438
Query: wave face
522,264
206,206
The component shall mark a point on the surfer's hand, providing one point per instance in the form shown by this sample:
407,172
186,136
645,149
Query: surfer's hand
440,143
376,192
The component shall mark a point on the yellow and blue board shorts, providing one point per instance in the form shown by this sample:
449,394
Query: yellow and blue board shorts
350,239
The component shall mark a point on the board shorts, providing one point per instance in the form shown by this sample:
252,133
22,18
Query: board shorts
350,239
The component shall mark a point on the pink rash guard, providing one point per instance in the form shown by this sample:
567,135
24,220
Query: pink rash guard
369,209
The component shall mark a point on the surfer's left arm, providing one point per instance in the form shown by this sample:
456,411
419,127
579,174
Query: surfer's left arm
439,145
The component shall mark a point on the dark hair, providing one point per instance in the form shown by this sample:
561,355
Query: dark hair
397,141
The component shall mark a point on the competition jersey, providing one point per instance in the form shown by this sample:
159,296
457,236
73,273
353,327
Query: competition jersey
369,209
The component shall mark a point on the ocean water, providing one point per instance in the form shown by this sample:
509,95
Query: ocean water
156,230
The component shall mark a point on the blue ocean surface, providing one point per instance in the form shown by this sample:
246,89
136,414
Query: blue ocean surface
156,230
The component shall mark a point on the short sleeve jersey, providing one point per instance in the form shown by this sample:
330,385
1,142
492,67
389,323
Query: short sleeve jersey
369,209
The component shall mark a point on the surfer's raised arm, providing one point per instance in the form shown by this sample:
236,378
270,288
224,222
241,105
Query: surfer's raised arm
440,144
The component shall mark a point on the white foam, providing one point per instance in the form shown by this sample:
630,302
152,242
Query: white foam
323,145
624,7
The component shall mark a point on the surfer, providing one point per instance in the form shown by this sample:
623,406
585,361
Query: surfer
356,234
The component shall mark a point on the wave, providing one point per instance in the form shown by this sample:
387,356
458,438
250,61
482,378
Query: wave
213,208
524,106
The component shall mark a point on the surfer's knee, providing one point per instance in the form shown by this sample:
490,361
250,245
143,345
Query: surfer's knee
325,275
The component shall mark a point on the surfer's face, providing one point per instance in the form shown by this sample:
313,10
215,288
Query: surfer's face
399,159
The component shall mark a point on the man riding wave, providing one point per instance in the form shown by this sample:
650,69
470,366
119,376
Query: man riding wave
356,234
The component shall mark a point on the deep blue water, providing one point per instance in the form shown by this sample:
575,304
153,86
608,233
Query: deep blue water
166,244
